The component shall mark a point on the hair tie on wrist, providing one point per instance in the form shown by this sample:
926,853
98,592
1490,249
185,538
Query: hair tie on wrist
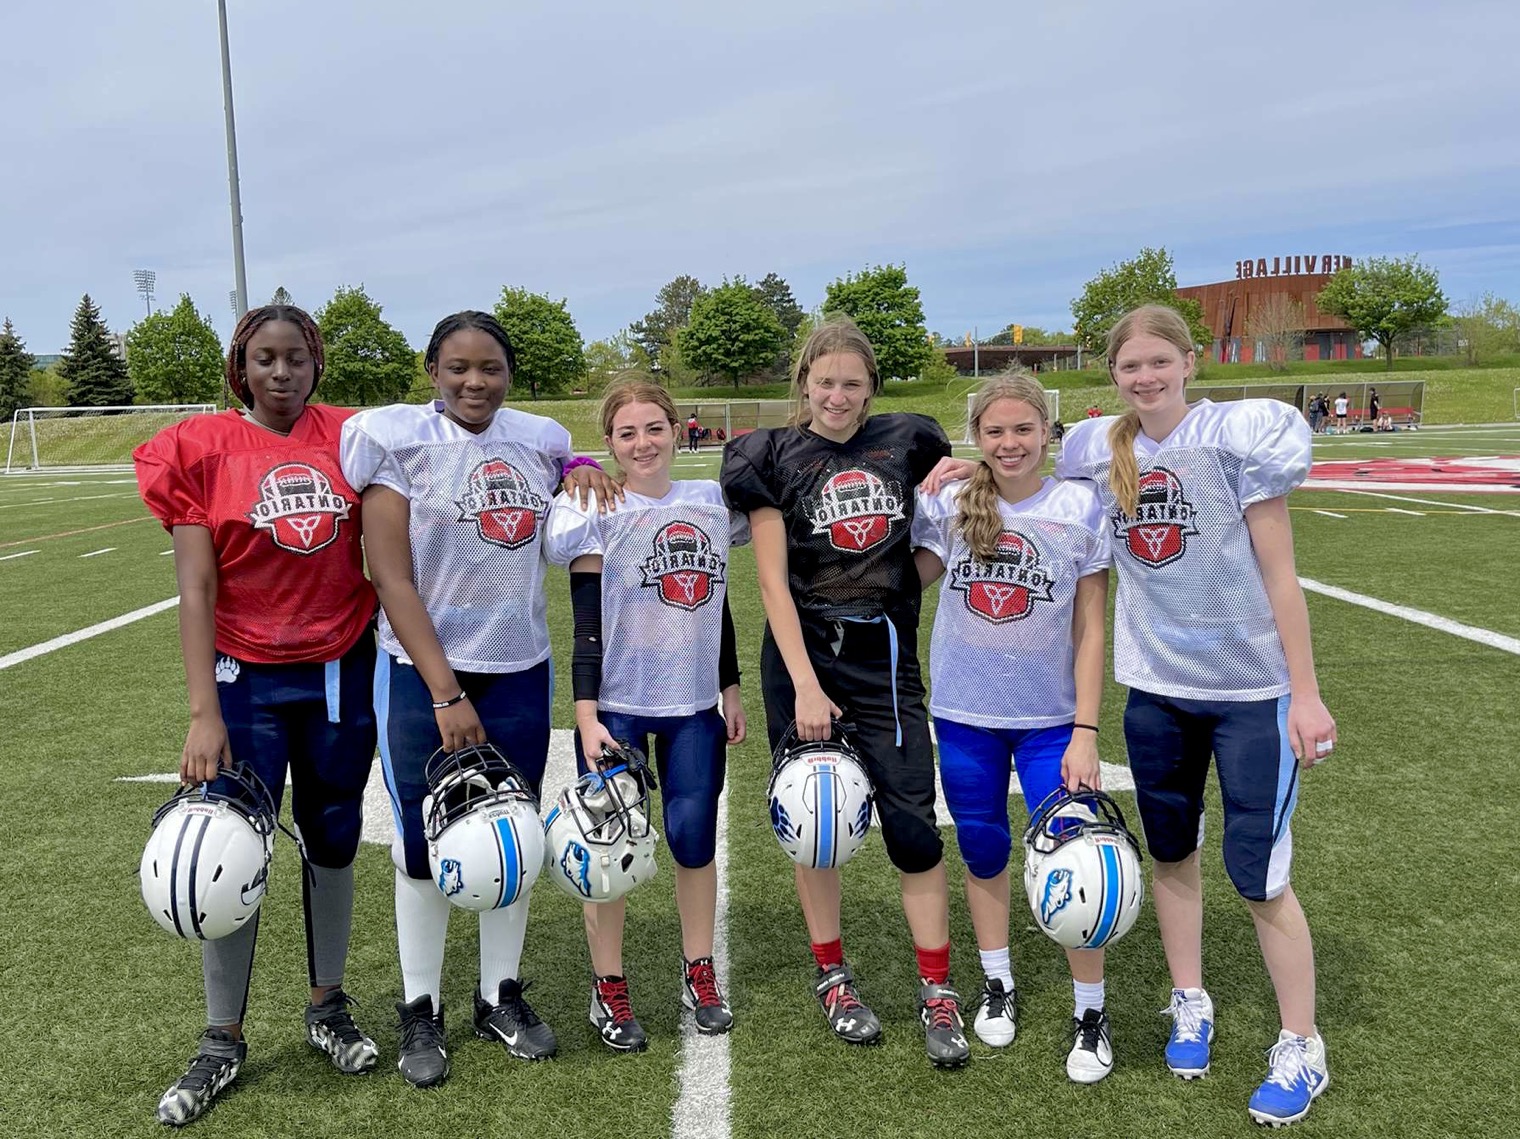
1093,728
437,704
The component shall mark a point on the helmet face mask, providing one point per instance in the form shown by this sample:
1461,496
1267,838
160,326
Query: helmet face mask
820,800
1082,872
600,842
480,819
206,865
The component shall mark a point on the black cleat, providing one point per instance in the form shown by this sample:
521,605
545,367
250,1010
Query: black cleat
847,1015
424,1057
513,1024
939,1007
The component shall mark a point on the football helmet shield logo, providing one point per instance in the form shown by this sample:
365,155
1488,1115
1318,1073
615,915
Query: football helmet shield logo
1007,587
1157,533
820,800
205,866
684,567
298,508
600,842
480,818
856,509
1082,870
503,504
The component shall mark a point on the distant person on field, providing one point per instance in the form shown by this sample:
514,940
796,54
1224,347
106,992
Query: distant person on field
1094,411
279,652
1374,408
1316,412
693,434
1342,406
1057,431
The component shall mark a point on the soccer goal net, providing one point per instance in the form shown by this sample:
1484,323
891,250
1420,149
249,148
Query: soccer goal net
87,438
720,420
1052,411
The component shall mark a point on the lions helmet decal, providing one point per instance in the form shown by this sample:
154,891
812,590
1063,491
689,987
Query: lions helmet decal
298,507
856,510
503,504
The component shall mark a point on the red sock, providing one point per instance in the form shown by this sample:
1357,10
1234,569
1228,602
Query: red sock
828,954
934,964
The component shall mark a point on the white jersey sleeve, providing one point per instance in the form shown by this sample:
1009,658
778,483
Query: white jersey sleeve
572,531
1279,454
366,460
934,520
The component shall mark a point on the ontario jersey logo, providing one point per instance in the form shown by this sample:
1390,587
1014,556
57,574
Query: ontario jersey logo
1007,587
503,504
684,567
856,510
1157,532
298,507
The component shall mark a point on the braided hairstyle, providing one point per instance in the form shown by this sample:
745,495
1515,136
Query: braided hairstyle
458,322
1147,320
255,319
977,515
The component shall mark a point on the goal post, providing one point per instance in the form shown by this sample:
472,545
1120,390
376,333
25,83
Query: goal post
1052,411
88,438
720,420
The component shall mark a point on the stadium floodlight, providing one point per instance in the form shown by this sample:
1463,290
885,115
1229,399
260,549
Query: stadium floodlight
145,279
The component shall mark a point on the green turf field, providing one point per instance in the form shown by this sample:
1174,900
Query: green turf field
1405,858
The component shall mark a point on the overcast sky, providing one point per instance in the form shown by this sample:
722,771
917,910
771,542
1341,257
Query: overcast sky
1005,152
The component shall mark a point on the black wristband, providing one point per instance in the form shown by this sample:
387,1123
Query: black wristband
460,699
1093,728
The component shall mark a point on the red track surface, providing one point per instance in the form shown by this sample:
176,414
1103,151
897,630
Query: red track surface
1497,471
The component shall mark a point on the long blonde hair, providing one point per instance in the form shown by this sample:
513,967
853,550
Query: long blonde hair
1147,320
977,516
635,387
837,333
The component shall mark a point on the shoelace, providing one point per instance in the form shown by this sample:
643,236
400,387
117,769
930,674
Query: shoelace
703,979
420,1031
842,998
1188,1016
1087,1031
1286,1059
519,1007
203,1070
943,1013
995,1001
614,994
340,1021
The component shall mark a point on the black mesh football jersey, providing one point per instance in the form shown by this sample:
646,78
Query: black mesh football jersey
848,508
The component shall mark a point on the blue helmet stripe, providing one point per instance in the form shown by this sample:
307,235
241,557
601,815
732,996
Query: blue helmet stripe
1113,888
511,860
827,839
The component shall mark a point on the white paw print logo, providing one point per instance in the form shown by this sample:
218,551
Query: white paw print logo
226,670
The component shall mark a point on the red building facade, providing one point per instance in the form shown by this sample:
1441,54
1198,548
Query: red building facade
1228,305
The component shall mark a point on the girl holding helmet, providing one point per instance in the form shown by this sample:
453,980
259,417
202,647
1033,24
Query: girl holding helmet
655,655
1025,562
275,627
830,504
1212,638
455,497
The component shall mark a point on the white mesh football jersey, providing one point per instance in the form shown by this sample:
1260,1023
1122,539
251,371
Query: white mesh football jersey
664,577
1192,618
1002,653
478,504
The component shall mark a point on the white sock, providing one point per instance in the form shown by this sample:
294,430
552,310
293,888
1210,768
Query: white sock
997,967
422,924
501,943
1087,997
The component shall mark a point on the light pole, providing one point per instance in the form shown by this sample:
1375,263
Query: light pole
240,306
145,279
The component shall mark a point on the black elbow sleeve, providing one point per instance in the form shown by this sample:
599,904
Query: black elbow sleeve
586,661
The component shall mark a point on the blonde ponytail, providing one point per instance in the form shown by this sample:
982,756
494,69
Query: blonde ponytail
1123,471
1147,320
977,516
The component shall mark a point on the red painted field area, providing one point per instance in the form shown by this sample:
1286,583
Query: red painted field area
1468,473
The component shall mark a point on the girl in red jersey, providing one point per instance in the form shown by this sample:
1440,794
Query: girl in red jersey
830,503
1211,634
275,625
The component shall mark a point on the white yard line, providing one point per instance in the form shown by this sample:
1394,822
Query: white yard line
22,554
1330,514
97,553
1432,502
1401,510
1418,616
21,656
81,498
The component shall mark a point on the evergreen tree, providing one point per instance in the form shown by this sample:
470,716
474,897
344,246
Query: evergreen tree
281,297
16,365
96,374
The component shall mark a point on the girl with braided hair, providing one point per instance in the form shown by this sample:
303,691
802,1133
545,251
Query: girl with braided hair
276,630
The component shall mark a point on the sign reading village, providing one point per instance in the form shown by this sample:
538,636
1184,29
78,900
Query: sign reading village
1296,265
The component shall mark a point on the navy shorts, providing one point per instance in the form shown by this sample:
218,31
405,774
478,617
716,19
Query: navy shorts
689,759
973,769
1170,742
513,708
317,722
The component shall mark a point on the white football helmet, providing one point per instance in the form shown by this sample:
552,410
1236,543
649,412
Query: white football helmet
600,842
820,800
1082,869
480,818
204,870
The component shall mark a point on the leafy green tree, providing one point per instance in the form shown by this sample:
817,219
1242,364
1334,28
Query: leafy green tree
657,331
890,313
777,295
92,365
609,358
1032,337
939,370
175,357
281,297
368,361
732,332
1487,326
550,354
1385,299
47,388
1145,279
16,365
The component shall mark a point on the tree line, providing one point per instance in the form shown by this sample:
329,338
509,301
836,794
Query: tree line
732,333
